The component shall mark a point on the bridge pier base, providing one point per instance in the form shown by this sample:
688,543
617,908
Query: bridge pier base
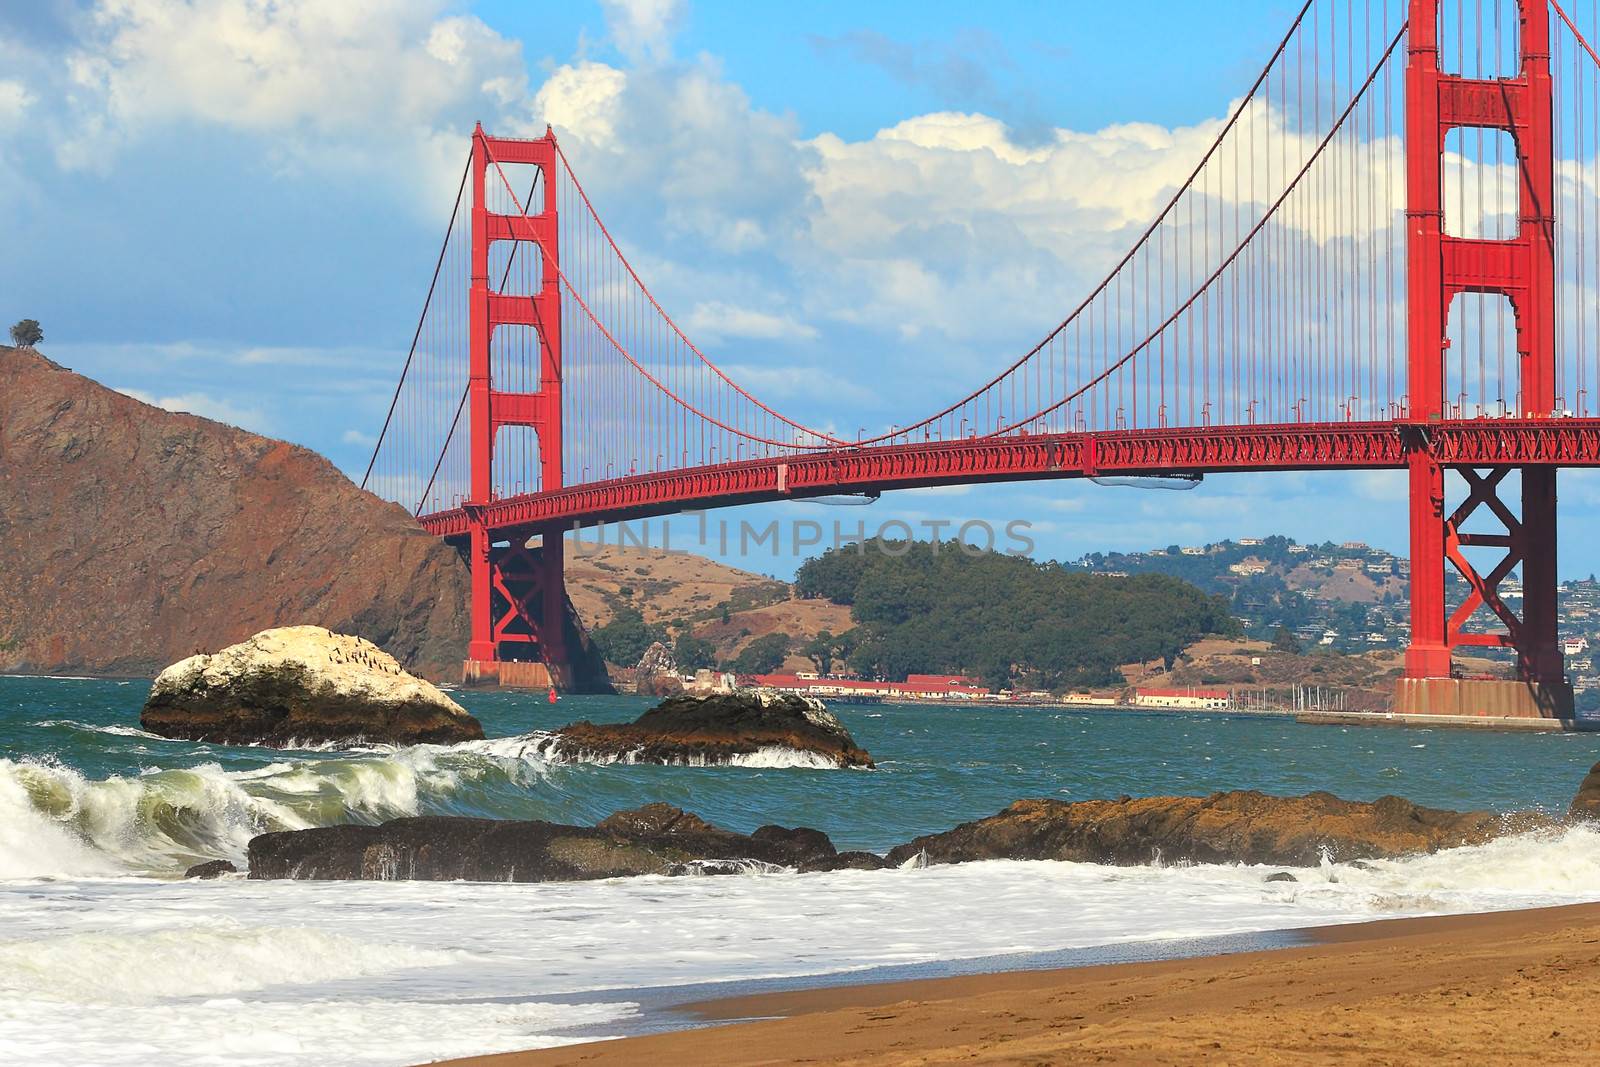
512,674
1483,698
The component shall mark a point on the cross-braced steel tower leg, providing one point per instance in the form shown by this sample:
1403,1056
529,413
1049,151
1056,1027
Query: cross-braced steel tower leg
518,594
1522,269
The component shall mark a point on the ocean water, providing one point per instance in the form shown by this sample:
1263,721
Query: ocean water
107,958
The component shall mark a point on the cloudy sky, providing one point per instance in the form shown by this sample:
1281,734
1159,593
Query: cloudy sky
231,207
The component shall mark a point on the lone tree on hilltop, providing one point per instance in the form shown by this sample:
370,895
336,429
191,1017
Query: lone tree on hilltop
27,333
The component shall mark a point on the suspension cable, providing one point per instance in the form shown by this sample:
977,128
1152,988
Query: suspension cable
422,318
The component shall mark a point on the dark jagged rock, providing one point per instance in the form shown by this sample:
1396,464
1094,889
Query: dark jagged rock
1586,805
211,869
1281,876
1238,827
299,684
655,839
712,730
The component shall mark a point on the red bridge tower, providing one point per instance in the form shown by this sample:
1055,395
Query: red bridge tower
1522,269
518,593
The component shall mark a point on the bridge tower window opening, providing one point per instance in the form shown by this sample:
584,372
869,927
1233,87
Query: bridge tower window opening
1480,39
1482,370
1480,197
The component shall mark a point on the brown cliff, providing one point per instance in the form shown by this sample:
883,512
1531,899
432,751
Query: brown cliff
131,537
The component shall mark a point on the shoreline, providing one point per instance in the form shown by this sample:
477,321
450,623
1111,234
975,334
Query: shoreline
1481,987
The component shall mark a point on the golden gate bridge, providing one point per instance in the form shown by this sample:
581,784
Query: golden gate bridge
1386,258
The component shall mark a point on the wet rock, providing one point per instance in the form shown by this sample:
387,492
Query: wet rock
211,869
1281,876
301,684
846,861
708,730
1238,827
655,839
1586,805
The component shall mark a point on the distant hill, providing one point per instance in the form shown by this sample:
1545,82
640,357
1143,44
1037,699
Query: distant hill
131,536
1352,591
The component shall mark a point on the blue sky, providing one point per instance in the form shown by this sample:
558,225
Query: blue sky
232,208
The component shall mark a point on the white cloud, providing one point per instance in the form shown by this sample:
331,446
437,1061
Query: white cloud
716,321
356,437
205,406
768,381
643,29
582,100
389,85
15,100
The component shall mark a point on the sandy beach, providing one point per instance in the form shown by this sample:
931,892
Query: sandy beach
1506,987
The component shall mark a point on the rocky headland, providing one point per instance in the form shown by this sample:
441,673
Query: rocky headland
711,730
301,684
132,536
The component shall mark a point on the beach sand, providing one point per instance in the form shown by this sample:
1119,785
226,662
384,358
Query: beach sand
1508,987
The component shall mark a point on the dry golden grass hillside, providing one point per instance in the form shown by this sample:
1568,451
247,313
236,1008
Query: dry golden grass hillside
724,605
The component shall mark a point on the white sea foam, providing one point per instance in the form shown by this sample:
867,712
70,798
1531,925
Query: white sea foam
553,749
289,973
218,957
233,1032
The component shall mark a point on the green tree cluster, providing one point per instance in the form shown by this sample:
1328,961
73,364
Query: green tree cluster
763,655
922,607
625,638
692,653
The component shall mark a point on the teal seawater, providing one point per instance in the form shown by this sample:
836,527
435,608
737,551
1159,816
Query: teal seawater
64,739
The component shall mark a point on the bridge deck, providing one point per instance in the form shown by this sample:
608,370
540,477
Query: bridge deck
1566,442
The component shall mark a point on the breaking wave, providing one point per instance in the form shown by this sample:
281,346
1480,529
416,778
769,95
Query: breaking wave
57,822
552,749
111,730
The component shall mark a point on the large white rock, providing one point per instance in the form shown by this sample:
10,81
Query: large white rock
301,684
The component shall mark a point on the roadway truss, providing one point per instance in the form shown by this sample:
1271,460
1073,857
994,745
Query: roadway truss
1567,442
